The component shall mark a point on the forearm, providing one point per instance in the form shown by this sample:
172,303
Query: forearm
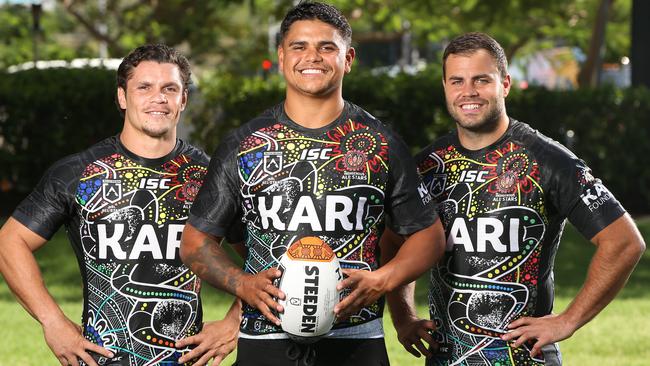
417,255
235,311
21,272
205,256
401,304
401,300
608,272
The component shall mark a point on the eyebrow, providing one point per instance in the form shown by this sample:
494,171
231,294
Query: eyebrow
320,43
479,76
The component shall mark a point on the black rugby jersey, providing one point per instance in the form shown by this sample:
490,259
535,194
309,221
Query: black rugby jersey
284,182
124,216
503,209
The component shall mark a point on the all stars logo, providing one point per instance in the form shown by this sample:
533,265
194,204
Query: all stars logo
273,161
112,190
354,160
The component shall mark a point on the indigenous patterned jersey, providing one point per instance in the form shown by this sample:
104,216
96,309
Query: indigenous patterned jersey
284,182
504,208
124,216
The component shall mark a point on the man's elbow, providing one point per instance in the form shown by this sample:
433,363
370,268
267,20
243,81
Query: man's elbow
639,247
188,244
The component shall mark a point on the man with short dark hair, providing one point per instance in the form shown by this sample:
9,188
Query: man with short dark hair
314,165
124,202
504,192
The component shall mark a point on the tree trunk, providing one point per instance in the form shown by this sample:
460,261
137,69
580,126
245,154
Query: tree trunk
590,73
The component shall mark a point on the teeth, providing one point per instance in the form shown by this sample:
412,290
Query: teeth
470,106
312,71
158,113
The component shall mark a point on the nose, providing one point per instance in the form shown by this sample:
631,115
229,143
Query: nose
313,55
469,90
160,97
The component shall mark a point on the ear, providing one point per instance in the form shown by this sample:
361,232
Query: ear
280,59
349,58
184,99
121,97
507,83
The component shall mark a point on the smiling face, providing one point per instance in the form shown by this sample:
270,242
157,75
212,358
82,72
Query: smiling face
153,100
475,92
313,58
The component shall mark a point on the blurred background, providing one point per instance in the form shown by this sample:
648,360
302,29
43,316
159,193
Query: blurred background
579,69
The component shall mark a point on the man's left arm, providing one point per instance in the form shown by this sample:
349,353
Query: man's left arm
619,248
218,338
417,255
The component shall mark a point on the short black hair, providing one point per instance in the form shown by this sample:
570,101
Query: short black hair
153,52
317,11
469,43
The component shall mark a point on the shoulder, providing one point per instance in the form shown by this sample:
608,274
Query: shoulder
72,166
547,152
195,154
360,115
434,149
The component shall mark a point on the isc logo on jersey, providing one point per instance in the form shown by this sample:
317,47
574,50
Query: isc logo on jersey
471,176
315,154
154,183
310,273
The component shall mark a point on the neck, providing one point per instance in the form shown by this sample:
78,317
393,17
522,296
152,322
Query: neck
146,146
476,140
313,112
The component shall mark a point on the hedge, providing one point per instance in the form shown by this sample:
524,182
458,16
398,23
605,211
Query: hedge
47,114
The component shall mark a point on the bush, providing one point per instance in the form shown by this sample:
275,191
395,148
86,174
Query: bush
47,114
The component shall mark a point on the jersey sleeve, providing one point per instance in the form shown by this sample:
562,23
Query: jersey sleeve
217,207
409,205
583,199
51,203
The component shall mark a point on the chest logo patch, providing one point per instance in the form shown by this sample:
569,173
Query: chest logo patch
112,190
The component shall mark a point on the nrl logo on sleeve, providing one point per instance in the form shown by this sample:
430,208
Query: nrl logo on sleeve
112,190
272,161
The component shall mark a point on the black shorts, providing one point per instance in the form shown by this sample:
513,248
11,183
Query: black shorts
326,352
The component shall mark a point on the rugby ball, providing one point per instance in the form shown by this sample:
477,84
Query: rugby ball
310,273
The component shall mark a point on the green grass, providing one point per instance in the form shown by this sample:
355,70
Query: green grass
620,335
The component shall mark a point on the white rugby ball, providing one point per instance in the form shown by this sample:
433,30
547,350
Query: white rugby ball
310,273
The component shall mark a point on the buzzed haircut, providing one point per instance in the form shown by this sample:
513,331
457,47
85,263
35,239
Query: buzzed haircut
159,53
469,43
317,11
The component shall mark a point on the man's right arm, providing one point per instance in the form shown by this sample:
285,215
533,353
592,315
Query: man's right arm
20,270
204,254
412,331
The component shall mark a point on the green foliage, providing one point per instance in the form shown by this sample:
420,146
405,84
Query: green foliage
517,24
609,124
228,101
47,114
17,45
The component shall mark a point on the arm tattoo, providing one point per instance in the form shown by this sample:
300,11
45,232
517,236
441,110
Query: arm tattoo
213,265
